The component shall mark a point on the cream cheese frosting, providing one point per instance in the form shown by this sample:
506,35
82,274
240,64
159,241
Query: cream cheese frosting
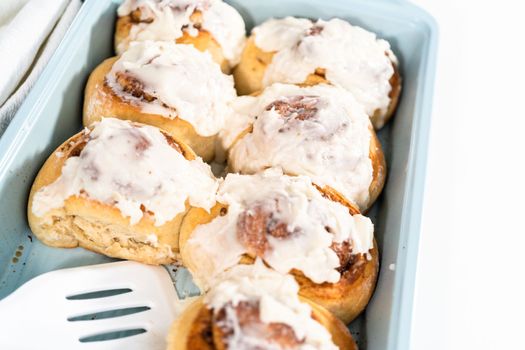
313,221
133,168
185,83
277,297
167,20
319,131
352,57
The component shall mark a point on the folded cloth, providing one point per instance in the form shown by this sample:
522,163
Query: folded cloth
26,44
8,10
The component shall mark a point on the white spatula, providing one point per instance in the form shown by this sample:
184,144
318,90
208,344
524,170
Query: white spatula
83,307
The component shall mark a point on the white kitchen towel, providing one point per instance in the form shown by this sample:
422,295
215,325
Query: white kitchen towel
28,38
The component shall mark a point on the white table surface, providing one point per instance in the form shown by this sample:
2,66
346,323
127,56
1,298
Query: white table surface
470,291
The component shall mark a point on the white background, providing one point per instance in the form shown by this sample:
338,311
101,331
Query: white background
470,291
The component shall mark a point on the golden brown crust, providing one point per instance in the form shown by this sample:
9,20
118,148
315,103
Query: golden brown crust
346,299
379,170
98,226
101,101
379,119
335,196
201,334
249,74
204,41
194,328
122,28
340,334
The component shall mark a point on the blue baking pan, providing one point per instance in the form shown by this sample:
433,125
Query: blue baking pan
52,113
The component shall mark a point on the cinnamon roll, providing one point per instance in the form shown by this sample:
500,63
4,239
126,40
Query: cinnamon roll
295,227
120,189
174,87
298,50
320,131
253,307
209,25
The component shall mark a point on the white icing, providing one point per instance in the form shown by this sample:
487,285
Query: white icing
294,201
236,123
126,166
172,17
332,147
152,239
278,303
185,81
352,57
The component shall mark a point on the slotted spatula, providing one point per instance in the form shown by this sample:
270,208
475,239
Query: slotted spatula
121,305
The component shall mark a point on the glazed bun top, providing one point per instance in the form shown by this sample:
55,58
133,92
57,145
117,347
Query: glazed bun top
284,220
320,131
349,56
258,308
174,80
133,167
169,19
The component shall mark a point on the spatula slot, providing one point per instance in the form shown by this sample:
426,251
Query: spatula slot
109,314
98,294
112,335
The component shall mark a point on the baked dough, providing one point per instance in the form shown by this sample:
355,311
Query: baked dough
252,306
202,42
100,100
346,298
211,26
249,75
312,123
192,329
350,296
98,226
150,93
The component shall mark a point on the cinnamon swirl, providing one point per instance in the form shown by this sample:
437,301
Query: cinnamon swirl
298,50
295,227
170,86
119,189
253,307
320,131
209,25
